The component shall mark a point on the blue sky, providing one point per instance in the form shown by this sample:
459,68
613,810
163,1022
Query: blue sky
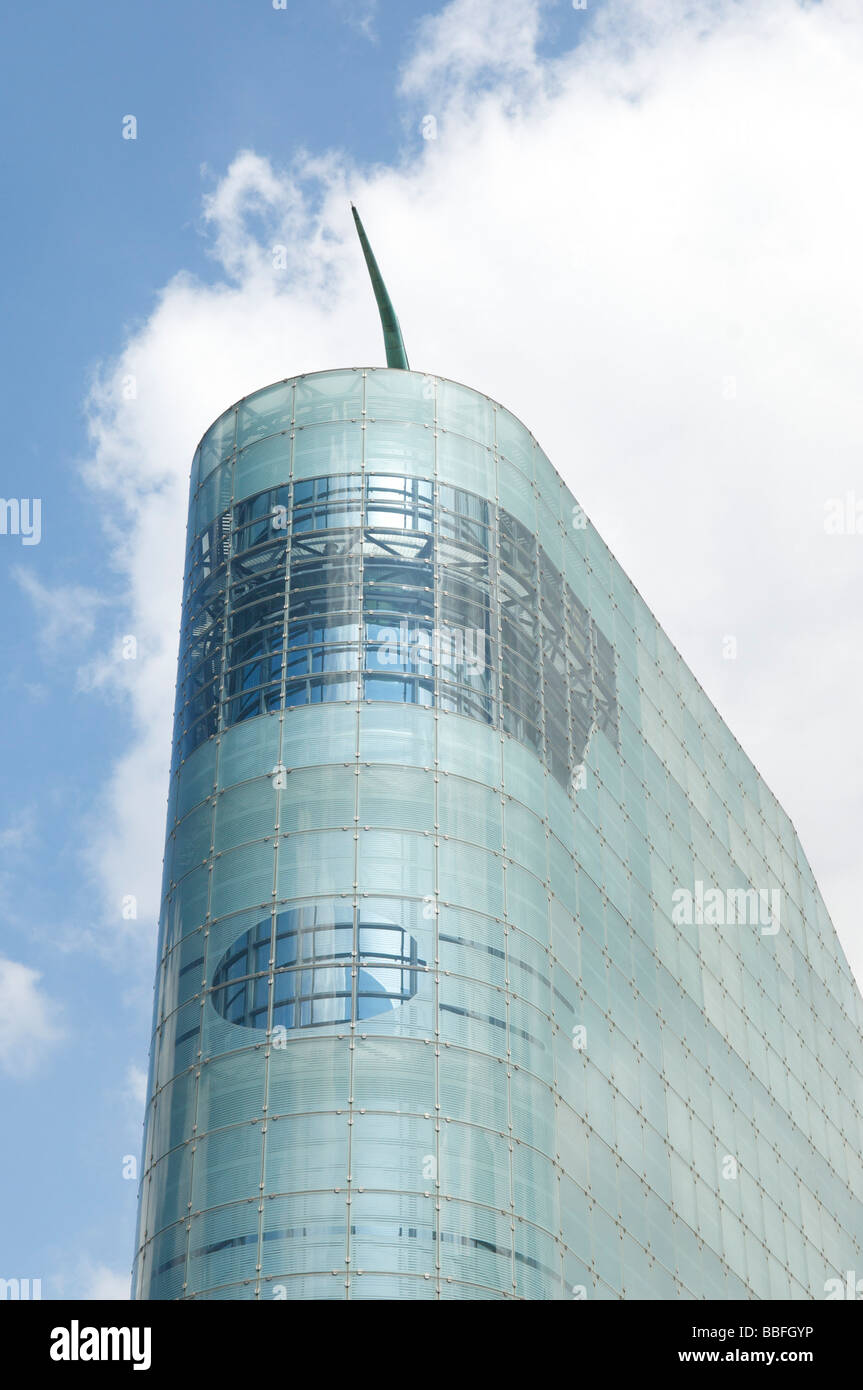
687,254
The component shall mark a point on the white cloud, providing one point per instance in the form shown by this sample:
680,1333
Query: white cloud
66,614
88,1279
29,1020
360,15
649,250
107,1283
470,41
96,1281
18,834
136,1087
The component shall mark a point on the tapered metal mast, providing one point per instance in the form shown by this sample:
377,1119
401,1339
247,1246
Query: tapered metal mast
393,341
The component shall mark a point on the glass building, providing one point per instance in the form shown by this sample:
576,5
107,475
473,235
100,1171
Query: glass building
488,965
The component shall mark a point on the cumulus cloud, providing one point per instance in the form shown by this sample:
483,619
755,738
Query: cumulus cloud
19,833
65,614
86,1278
647,248
105,1283
361,16
91,1280
135,1091
471,42
29,1020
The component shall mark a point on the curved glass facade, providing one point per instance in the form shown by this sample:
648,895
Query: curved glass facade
432,1019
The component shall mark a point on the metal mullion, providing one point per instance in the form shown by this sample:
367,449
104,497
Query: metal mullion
208,920
271,965
221,726
355,956
499,604
438,588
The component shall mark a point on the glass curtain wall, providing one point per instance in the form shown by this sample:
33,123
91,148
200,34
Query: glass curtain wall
426,1022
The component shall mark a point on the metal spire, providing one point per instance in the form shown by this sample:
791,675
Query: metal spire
395,348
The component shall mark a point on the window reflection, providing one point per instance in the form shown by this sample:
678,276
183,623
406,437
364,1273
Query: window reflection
335,588
304,966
